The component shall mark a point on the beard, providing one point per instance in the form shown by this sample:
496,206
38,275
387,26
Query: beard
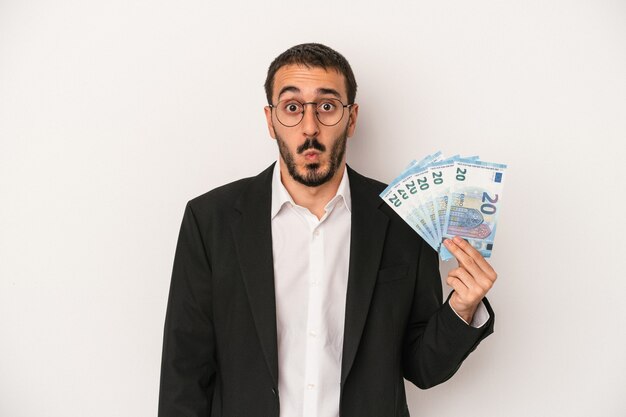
314,176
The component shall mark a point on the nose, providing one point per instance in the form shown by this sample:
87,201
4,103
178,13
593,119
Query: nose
310,124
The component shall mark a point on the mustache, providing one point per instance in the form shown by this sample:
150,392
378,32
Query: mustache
311,143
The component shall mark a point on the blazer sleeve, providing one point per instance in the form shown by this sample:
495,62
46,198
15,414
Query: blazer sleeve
188,366
436,340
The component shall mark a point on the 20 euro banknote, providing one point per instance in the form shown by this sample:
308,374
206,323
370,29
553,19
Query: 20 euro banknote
473,205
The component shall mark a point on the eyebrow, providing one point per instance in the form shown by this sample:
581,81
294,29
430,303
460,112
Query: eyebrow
319,91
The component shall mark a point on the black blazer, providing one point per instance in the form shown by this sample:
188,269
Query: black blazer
220,344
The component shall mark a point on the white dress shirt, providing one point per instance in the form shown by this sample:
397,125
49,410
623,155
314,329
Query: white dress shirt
311,258
311,279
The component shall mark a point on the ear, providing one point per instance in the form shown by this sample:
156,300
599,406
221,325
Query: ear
354,113
270,123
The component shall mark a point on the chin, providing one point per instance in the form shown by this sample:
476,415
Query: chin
314,168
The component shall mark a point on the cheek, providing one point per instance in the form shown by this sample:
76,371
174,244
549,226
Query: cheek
286,143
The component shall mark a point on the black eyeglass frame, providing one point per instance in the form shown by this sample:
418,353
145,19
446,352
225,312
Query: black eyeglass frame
317,115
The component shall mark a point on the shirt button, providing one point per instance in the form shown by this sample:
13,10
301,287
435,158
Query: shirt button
312,333
316,233
310,386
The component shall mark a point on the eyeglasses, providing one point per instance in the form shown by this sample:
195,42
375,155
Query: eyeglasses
329,111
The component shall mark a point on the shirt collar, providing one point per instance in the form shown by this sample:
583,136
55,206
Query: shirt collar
280,195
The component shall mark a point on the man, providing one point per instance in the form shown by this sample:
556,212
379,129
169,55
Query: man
298,292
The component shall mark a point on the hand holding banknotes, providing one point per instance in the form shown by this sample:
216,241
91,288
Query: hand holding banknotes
471,280
455,201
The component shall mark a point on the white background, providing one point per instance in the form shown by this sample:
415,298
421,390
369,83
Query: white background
114,113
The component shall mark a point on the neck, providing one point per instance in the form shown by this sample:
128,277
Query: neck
312,198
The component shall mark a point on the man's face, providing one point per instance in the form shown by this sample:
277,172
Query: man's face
312,152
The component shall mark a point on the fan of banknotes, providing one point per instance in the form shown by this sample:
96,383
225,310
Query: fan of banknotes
445,197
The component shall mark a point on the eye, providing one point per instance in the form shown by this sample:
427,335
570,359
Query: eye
326,106
292,107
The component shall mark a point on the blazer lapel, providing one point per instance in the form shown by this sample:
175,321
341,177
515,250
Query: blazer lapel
252,232
369,226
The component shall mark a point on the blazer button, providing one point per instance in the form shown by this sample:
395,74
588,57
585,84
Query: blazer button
274,392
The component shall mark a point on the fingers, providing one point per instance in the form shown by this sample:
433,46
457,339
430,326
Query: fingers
475,276
470,258
471,280
470,289
464,259
457,285
463,276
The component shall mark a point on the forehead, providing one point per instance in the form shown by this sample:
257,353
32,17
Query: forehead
309,80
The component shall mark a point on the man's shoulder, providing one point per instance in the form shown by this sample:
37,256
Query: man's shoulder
223,193
225,196
370,184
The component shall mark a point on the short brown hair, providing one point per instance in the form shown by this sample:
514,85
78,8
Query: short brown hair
312,55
